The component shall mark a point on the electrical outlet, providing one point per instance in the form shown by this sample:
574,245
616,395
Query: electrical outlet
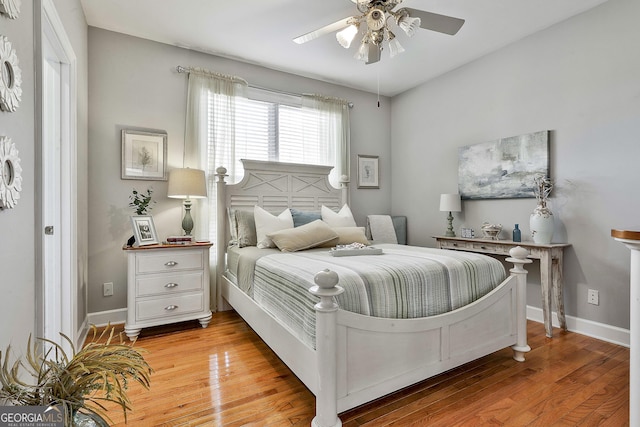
107,289
593,297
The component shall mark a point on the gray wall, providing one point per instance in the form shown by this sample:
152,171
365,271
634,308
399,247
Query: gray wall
134,85
17,253
578,79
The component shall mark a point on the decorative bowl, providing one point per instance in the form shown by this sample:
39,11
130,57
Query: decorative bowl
491,231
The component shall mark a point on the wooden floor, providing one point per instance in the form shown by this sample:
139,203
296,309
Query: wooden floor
225,375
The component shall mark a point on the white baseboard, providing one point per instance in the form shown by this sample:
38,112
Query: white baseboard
589,328
103,318
601,331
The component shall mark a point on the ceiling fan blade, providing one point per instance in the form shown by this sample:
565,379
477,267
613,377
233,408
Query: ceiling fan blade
435,22
374,53
338,25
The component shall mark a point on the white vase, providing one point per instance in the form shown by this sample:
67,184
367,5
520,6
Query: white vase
541,224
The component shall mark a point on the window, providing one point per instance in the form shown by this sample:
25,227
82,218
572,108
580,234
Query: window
271,127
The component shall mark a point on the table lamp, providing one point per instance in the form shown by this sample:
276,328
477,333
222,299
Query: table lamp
450,203
187,184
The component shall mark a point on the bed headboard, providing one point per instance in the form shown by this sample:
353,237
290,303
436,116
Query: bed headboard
274,186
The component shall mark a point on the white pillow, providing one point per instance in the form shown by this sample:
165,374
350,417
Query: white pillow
344,218
267,223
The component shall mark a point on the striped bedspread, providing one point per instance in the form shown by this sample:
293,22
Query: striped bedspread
404,282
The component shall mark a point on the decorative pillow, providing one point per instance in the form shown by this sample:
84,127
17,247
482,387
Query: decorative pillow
304,217
267,223
306,236
246,228
233,226
344,218
348,235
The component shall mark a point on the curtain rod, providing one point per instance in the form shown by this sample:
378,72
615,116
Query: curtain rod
187,70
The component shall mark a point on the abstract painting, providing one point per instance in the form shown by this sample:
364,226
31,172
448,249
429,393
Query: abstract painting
503,169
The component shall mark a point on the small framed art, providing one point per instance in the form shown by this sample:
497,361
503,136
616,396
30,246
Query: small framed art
368,171
144,230
144,155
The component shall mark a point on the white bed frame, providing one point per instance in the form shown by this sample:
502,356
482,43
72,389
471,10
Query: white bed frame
360,358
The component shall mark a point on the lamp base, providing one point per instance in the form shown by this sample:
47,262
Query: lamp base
187,221
450,232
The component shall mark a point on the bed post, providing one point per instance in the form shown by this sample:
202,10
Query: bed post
519,259
221,230
344,187
326,345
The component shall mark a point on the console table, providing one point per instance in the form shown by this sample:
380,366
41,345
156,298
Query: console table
550,257
631,239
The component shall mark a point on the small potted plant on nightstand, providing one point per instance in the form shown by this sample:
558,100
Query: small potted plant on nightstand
141,204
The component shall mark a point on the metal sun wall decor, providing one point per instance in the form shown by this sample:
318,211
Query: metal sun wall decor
503,169
10,8
10,77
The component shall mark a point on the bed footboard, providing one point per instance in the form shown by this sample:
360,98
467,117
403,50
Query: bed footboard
360,358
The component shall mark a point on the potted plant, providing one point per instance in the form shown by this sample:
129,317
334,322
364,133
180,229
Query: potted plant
141,204
98,373
541,221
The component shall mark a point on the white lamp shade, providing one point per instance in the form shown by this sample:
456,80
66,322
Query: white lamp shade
450,203
395,47
187,184
346,36
409,24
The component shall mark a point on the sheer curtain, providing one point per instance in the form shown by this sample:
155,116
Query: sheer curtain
334,127
210,95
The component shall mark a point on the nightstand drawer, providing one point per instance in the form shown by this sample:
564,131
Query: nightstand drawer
169,261
169,307
169,283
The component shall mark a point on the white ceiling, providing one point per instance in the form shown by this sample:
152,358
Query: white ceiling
261,32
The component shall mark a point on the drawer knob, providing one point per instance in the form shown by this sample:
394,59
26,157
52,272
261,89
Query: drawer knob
171,285
170,263
483,247
455,244
171,307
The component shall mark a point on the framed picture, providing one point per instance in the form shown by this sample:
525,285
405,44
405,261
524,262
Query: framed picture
144,230
144,155
504,168
368,171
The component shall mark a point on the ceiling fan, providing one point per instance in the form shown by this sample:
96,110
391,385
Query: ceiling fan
374,17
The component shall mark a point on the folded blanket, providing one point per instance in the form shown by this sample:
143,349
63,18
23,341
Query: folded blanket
381,229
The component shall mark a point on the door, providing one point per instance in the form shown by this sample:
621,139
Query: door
56,183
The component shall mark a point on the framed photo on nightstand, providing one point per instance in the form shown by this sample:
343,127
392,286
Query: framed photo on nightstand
467,233
144,230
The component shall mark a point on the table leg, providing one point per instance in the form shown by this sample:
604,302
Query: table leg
546,280
558,283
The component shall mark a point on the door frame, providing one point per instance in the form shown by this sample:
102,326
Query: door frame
61,314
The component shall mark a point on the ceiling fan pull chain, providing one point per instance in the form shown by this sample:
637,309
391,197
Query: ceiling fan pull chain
378,87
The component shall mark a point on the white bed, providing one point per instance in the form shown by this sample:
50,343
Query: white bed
360,358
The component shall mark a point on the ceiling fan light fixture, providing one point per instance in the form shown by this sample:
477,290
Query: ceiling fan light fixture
395,48
362,54
346,36
409,24
376,19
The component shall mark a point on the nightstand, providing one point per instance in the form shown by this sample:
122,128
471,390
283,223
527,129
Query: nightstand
167,284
